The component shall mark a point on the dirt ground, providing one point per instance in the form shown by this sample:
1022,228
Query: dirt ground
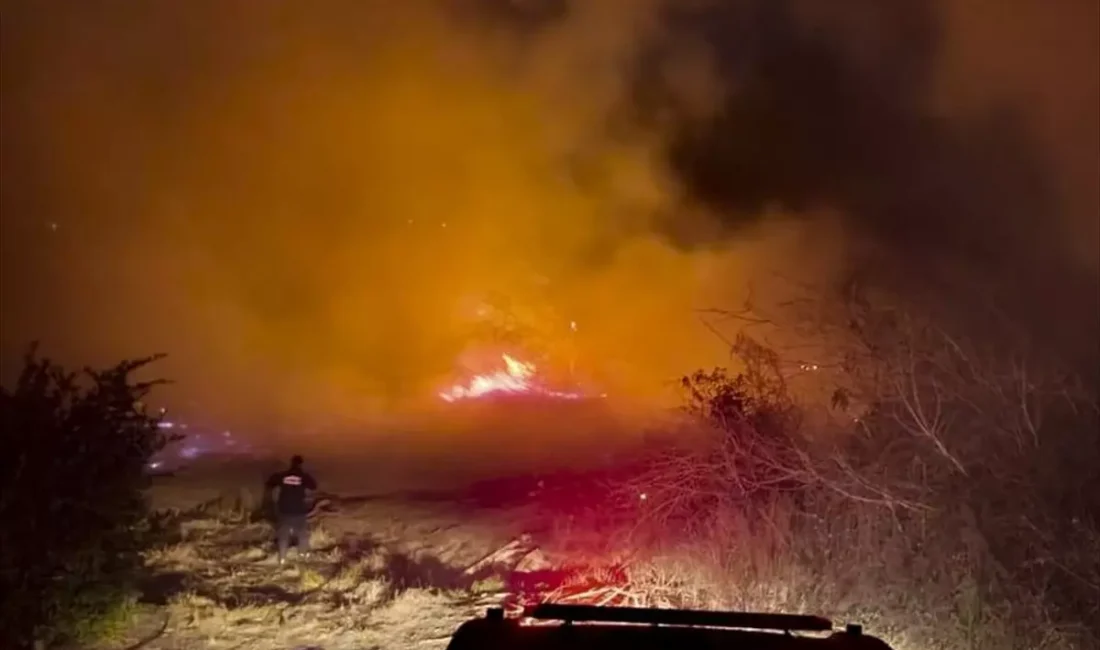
388,570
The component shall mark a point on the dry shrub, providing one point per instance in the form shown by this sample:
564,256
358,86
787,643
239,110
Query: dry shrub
951,505
72,476
749,455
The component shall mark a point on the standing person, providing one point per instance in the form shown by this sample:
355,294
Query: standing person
292,506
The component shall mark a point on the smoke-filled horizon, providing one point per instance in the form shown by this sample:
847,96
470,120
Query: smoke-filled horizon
311,207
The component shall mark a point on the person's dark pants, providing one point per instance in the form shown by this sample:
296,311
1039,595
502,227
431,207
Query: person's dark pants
296,526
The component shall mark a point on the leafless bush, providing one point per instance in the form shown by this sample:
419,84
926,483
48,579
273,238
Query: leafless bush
956,480
750,453
996,445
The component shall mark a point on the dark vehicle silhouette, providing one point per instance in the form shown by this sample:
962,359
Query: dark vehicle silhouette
582,627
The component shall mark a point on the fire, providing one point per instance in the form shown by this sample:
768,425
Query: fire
515,378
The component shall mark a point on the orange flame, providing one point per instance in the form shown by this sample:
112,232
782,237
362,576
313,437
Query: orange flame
517,377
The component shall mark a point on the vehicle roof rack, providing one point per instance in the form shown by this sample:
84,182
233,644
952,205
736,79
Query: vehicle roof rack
682,617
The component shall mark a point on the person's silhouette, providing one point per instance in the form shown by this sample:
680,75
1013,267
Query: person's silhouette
292,506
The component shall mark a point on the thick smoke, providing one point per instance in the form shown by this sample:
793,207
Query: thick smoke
944,136
306,203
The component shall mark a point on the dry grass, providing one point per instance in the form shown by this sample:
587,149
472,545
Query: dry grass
182,554
897,574
389,573
382,574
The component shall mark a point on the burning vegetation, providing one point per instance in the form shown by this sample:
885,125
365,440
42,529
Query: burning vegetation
956,508
305,204
514,378
928,489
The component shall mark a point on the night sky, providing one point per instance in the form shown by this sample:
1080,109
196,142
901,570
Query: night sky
299,202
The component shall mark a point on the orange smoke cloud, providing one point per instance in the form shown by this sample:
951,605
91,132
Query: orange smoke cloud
300,201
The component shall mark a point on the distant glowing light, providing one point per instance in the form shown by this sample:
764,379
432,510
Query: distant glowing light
165,425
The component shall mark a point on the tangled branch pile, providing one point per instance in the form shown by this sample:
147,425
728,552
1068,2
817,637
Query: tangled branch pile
950,496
